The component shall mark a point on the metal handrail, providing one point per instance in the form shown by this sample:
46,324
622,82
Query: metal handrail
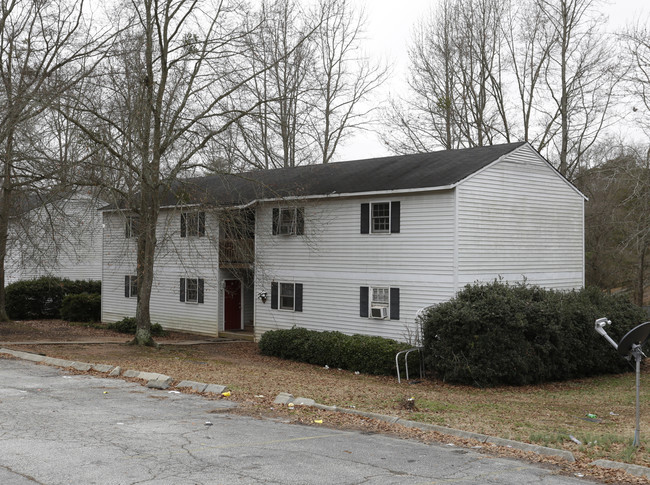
406,362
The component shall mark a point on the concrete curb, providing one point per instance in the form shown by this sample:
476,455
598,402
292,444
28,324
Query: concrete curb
637,470
285,398
154,380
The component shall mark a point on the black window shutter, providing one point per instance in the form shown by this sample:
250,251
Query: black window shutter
201,223
200,291
274,295
300,221
394,216
394,303
182,289
365,218
127,287
127,229
276,221
363,300
297,305
183,224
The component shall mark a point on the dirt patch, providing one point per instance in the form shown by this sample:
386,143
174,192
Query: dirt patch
58,330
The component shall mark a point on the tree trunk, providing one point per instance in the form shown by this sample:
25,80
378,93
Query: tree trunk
641,277
5,209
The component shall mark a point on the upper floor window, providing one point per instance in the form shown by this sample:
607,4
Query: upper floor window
380,217
132,226
289,221
193,224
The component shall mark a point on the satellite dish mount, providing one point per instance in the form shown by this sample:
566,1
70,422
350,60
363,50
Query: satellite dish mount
630,347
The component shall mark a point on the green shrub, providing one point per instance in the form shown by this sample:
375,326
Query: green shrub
371,355
497,333
82,307
42,297
129,325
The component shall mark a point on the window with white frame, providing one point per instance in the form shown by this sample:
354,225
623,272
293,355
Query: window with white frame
287,296
132,226
192,290
130,286
380,296
193,224
288,221
380,217
380,302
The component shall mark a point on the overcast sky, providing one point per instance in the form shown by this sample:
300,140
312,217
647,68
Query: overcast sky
387,34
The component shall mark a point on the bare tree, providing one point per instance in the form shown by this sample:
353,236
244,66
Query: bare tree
580,80
637,46
45,50
618,218
458,96
344,78
171,87
467,58
312,89
529,39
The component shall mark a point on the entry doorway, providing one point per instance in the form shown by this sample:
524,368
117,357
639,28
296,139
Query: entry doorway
232,305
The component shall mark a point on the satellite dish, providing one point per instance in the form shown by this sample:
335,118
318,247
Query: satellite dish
635,337
630,347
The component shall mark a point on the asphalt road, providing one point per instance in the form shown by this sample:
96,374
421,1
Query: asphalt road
57,428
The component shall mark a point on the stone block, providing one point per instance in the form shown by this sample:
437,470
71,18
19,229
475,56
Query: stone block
82,366
215,388
195,386
115,372
283,398
158,384
102,367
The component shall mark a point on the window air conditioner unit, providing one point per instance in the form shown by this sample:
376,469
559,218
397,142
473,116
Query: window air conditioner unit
380,312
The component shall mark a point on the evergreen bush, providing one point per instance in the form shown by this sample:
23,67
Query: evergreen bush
363,353
82,307
42,297
499,333
129,325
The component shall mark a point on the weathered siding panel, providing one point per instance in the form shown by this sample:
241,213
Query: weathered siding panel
176,258
63,241
518,218
333,260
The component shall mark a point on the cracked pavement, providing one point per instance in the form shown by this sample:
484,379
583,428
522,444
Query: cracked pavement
57,428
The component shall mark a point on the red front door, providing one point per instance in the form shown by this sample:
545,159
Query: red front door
232,305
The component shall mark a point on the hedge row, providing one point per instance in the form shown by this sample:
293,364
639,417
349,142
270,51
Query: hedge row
129,325
84,307
43,297
370,355
497,333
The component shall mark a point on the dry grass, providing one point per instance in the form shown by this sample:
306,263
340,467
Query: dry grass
545,414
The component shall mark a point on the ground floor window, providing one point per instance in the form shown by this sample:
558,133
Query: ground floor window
286,296
192,290
380,302
130,286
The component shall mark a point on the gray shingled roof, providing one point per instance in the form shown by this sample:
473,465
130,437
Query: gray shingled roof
400,172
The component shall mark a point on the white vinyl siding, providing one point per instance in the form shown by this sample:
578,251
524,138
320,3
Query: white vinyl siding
333,260
64,241
176,258
519,219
